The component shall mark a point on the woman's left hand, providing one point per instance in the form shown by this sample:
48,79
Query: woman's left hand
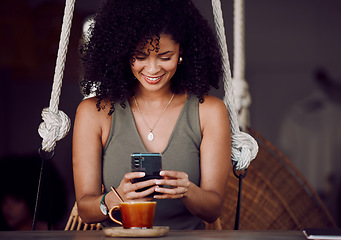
178,182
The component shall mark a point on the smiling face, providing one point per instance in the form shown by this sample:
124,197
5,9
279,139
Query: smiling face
155,64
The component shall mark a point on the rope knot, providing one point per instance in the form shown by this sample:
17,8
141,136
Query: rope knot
244,150
55,127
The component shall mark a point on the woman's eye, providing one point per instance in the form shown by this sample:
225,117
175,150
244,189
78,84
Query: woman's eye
140,58
166,59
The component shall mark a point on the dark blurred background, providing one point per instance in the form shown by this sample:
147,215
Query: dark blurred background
293,69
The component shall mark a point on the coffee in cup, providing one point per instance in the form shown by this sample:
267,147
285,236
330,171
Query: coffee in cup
135,215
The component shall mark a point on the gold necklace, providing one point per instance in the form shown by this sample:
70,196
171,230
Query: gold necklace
151,134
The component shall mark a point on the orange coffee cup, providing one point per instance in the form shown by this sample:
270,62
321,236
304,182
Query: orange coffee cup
135,215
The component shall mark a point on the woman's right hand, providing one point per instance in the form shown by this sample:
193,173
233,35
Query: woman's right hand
128,189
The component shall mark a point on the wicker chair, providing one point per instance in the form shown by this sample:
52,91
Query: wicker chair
275,196
75,222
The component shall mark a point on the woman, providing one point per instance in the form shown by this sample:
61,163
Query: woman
151,64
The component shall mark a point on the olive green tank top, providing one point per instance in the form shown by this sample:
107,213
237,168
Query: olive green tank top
181,154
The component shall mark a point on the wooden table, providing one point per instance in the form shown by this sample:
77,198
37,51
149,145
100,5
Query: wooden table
172,235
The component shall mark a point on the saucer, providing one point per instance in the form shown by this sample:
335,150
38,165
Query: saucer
156,231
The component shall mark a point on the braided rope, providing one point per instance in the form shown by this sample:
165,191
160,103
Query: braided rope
241,93
238,39
56,123
244,147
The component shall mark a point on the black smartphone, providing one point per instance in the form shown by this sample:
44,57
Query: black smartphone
150,163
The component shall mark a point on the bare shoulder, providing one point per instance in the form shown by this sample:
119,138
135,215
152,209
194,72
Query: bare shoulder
91,121
213,112
89,107
88,114
88,104
212,104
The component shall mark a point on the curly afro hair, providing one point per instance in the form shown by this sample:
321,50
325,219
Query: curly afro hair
121,24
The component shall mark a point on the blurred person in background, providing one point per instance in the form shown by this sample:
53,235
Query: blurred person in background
19,178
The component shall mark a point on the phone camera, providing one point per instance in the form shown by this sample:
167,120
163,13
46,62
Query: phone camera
137,162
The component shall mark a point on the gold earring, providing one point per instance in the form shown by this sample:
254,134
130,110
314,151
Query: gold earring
180,60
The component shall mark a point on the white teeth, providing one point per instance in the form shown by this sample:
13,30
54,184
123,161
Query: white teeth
152,79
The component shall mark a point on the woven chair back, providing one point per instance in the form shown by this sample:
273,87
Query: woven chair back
275,195
75,222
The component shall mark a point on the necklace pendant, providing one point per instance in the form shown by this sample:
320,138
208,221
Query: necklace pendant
150,136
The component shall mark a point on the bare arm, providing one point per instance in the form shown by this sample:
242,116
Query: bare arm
87,160
215,154
91,130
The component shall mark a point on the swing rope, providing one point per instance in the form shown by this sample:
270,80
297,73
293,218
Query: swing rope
56,123
244,147
242,97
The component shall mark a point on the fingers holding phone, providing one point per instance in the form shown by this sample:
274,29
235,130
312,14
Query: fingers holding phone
132,188
152,183
178,183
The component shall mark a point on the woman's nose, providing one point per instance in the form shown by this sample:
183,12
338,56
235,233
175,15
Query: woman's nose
152,66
